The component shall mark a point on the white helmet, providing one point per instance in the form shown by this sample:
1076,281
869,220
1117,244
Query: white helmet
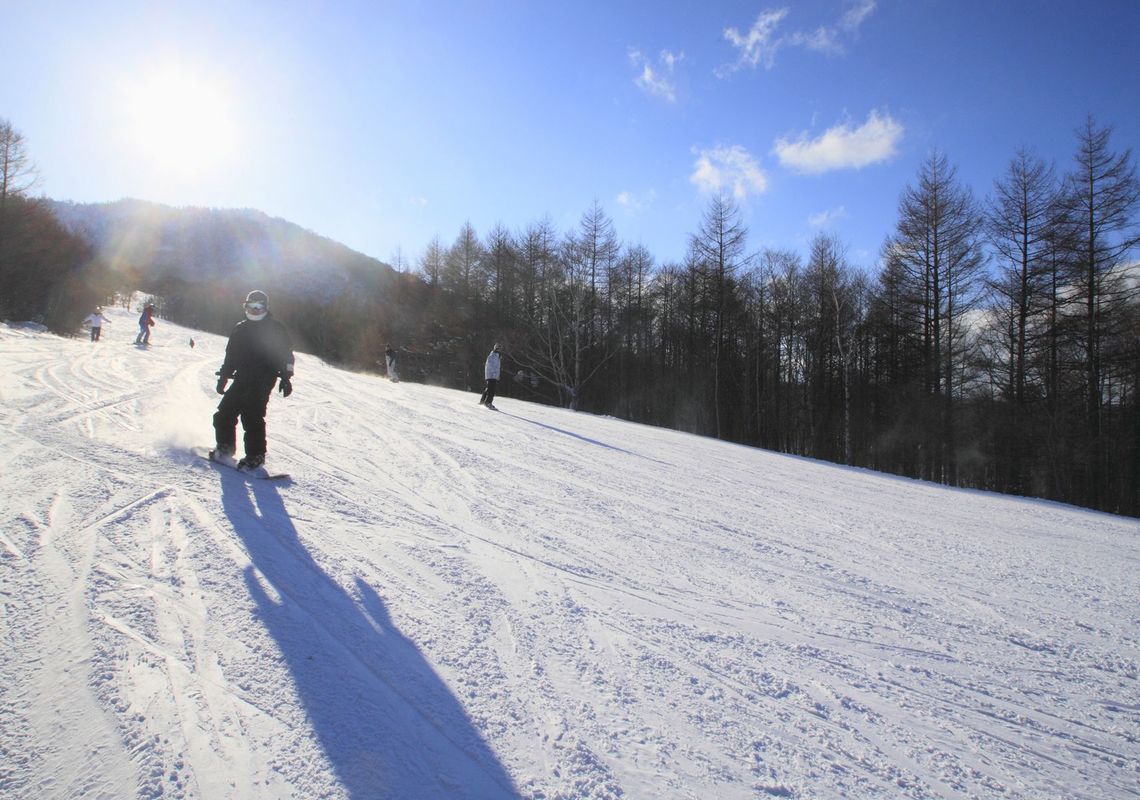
256,305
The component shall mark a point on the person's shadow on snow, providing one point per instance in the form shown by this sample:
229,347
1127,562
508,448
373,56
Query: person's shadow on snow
388,724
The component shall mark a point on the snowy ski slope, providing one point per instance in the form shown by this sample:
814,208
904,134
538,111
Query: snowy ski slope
450,602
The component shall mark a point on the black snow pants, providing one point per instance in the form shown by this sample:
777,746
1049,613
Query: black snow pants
488,397
248,400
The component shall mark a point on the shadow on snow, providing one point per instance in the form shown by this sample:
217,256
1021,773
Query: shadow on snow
586,439
388,724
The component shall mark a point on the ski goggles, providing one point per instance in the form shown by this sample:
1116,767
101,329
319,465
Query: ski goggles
255,306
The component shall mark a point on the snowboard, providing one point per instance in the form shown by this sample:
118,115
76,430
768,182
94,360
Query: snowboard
259,472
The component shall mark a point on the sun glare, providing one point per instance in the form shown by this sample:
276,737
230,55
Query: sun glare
180,122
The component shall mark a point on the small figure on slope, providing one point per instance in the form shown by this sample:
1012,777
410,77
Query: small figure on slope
96,319
258,352
390,364
491,371
146,322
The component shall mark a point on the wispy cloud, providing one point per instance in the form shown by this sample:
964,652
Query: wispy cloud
825,218
636,202
842,147
657,81
758,47
417,201
728,169
760,44
856,15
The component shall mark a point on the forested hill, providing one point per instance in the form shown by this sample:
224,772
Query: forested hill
206,245
199,263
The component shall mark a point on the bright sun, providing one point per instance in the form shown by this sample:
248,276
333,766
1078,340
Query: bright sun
181,122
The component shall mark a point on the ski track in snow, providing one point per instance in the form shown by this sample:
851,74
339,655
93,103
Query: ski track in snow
447,602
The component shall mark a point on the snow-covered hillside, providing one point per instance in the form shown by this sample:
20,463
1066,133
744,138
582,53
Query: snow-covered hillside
451,602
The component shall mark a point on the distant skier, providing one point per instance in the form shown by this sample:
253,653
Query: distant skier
146,322
258,352
390,364
491,371
96,319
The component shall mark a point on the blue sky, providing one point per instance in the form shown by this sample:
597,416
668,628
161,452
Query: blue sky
383,124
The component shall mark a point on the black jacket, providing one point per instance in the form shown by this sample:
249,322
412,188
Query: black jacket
258,351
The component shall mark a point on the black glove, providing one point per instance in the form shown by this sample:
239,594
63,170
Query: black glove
221,387
286,386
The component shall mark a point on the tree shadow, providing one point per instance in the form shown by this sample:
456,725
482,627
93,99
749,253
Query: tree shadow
389,725
573,435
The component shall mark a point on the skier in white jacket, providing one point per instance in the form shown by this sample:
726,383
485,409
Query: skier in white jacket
390,364
96,319
491,373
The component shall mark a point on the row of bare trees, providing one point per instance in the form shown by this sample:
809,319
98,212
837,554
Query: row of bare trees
1062,344
997,346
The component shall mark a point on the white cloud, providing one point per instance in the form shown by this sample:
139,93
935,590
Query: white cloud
659,81
856,16
634,202
842,147
760,45
418,201
822,40
729,169
825,218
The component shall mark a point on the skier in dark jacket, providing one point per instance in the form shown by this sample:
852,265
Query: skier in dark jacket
258,353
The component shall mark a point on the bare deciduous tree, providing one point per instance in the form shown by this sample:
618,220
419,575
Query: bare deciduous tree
17,172
1102,198
718,247
938,243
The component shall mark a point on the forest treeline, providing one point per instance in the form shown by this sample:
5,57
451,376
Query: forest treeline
995,344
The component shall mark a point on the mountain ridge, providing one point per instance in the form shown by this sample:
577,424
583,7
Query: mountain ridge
203,244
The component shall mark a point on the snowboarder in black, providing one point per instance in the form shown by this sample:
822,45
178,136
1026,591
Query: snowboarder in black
258,353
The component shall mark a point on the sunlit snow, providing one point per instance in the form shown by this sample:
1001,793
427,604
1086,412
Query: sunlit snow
452,602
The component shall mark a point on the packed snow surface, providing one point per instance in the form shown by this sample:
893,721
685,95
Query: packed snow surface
451,602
